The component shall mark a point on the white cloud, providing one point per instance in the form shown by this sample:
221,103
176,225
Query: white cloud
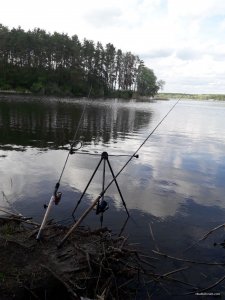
195,9
104,17
188,54
155,30
157,53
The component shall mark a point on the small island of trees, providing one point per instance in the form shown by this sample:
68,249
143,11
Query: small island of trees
56,64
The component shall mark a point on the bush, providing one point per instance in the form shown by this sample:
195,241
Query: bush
37,88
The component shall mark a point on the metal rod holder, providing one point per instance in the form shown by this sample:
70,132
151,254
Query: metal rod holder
105,159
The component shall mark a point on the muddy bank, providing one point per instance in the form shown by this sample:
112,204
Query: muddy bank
97,265
91,264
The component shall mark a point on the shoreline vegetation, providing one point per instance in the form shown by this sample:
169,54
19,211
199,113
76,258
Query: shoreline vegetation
56,64
167,96
159,96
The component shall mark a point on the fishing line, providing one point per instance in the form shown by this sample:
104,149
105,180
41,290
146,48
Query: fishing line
88,210
56,196
130,158
74,137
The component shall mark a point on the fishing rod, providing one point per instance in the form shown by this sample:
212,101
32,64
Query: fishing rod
75,225
56,196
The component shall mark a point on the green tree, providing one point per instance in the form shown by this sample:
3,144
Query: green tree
58,64
146,82
160,84
109,66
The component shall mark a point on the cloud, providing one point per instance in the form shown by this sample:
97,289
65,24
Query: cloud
189,54
217,52
104,17
195,9
177,39
157,53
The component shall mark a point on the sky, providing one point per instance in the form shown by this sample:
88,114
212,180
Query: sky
183,41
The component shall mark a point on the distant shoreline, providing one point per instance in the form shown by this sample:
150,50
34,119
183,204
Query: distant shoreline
159,96
164,96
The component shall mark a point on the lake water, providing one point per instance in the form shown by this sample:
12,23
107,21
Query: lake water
177,184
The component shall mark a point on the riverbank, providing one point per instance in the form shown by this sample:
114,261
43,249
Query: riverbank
123,96
27,95
91,265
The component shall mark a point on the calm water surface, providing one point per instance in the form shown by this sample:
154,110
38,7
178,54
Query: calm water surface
176,184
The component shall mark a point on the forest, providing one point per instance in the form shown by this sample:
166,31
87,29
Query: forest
56,64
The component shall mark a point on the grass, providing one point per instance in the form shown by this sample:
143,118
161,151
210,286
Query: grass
7,229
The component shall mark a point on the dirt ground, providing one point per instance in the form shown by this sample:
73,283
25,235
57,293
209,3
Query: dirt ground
91,265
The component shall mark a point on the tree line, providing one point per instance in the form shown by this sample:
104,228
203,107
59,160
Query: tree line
56,64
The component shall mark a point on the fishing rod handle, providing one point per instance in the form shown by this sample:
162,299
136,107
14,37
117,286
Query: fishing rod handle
45,217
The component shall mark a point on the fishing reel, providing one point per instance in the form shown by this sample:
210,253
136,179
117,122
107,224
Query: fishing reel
56,200
102,207
75,146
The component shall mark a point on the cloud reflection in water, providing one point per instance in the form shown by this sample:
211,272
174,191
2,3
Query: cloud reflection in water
183,160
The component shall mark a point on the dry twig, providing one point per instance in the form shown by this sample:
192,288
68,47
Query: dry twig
188,260
205,236
209,287
69,289
153,237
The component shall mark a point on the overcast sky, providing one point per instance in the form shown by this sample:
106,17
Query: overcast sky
183,41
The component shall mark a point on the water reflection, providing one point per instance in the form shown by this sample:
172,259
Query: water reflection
42,123
184,160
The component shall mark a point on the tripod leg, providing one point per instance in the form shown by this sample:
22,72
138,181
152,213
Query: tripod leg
87,186
124,225
103,185
124,204
103,179
101,219
79,221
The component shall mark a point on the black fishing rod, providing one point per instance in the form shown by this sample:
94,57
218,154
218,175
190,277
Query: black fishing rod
56,196
113,180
